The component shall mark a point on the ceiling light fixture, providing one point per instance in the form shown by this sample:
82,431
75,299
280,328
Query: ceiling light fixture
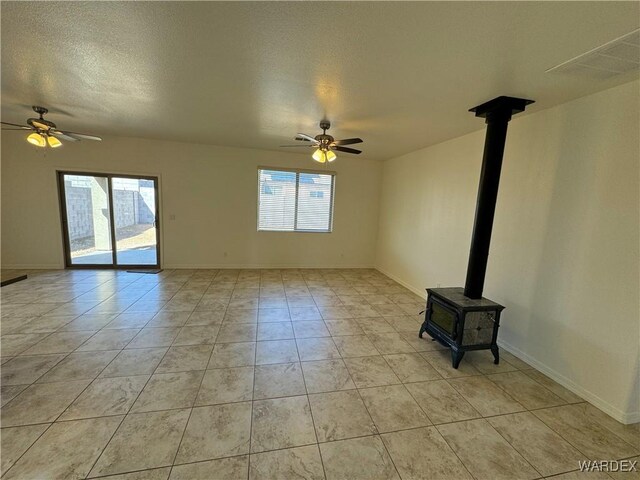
37,140
53,142
323,155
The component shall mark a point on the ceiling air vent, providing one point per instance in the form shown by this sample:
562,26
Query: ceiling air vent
616,57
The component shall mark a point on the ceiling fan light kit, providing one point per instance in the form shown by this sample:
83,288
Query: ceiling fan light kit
325,144
45,132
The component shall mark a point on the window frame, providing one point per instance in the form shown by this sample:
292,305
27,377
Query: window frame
298,171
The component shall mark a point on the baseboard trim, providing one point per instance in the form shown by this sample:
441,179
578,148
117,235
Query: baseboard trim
417,291
260,266
596,401
35,266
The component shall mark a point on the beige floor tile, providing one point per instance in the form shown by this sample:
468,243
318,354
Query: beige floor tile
393,408
15,441
441,361
584,433
556,388
370,371
63,451
301,463
538,444
275,331
109,340
629,433
106,396
27,369
169,390
241,315
210,318
41,403
226,385
375,325
311,329
232,468
273,314
340,415
197,335
79,366
303,314
326,376
482,360
357,459
130,320
273,302
529,393
388,343
185,358
422,453
577,475
513,360
152,474
11,345
226,355
280,380
485,396
281,423
9,392
355,346
59,342
627,472
154,337
405,323
484,452
237,332
138,361
344,327
441,402
426,344
321,348
411,367
276,351
216,431
143,440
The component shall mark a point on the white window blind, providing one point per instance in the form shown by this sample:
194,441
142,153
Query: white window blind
295,201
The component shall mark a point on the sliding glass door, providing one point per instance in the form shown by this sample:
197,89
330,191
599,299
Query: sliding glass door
109,220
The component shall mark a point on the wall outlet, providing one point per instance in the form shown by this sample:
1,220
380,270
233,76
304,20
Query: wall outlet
172,217
437,285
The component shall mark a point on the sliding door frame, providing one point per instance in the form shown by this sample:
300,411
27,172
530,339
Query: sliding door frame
65,231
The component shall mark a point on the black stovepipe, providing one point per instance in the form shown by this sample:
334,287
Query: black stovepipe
497,113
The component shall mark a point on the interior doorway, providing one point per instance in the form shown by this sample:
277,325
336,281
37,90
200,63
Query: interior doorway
109,220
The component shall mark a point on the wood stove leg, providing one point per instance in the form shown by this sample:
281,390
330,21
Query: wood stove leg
423,329
496,354
456,356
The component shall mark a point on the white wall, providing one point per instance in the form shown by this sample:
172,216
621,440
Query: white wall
565,248
212,191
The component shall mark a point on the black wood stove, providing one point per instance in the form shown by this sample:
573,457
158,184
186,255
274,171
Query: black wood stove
462,319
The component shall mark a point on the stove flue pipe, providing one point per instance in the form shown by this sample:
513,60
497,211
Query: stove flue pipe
497,114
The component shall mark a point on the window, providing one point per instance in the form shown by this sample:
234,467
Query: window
295,201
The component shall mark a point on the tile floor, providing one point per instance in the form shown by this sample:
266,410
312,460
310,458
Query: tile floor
268,374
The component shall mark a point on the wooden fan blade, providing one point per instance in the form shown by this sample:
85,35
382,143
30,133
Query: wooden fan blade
305,138
62,135
80,136
347,141
42,126
347,150
23,127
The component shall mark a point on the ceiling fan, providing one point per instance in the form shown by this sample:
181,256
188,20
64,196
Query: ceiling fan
45,132
326,144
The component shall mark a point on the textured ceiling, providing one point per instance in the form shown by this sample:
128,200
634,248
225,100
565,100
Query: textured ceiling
251,74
